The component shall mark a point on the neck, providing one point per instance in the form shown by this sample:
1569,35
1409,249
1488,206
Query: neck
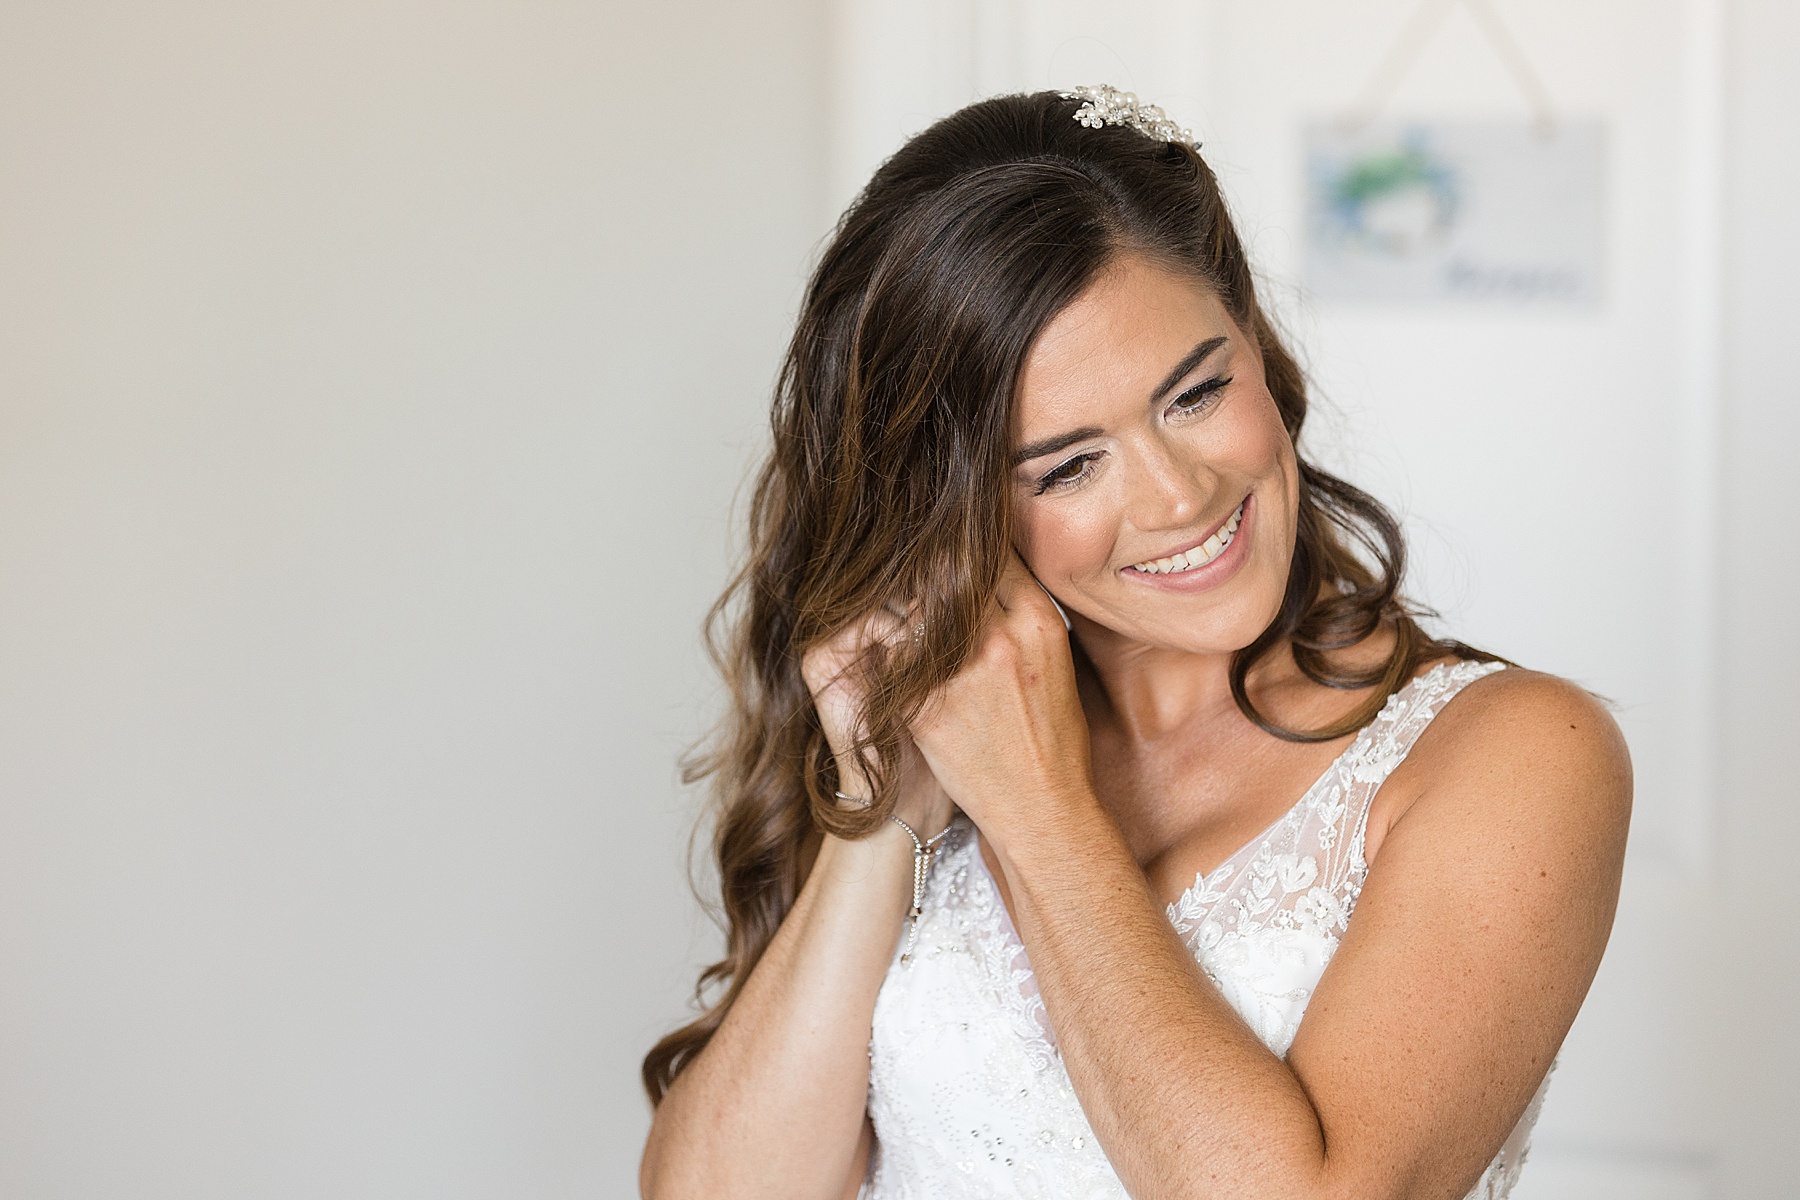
1148,691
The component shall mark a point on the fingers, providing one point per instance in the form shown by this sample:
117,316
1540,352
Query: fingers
902,621
886,625
1021,591
891,625
1015,580
825,664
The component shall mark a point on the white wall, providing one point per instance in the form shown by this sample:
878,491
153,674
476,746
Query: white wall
1755,966
374,382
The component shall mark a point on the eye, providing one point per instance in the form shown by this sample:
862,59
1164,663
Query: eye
1066,473
1200,397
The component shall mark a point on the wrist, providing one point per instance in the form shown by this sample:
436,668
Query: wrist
1061,826
923,805
884,841
877,867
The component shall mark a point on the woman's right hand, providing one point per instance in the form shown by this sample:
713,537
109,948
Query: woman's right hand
837,695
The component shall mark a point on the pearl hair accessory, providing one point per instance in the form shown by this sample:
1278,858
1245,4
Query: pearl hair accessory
1107,105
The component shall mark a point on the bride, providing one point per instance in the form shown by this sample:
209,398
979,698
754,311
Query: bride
1095,818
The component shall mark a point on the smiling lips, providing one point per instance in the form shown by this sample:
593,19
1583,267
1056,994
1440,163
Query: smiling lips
1196,556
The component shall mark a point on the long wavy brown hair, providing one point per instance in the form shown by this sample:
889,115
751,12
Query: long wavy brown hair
887,479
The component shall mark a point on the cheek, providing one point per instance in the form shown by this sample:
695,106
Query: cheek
1278,492
1256,442
1065,539
1255,454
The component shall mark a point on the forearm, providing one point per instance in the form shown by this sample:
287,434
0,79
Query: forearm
774,1105
1186,1100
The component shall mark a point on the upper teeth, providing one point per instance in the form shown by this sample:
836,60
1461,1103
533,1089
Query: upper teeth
1200,555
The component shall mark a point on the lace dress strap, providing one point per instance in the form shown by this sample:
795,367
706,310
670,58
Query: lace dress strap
1386,741
1298,883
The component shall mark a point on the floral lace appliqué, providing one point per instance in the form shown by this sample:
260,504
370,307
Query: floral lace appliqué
967,1092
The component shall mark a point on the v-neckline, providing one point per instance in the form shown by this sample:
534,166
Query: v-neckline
1261,837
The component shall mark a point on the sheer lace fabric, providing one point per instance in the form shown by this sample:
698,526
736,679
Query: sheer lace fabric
967,1092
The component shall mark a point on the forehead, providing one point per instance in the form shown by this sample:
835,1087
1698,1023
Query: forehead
1115,342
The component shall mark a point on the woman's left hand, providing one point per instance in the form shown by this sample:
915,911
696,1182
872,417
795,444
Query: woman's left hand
1006,736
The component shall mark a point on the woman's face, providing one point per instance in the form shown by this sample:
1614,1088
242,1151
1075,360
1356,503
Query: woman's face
1154,485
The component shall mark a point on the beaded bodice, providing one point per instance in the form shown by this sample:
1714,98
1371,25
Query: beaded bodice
967,1092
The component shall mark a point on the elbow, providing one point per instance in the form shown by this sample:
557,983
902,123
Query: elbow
655,1184
653,1180
647,1175
676,1172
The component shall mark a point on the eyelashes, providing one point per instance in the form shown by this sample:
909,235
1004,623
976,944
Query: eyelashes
1199,397
1071,471
1061,475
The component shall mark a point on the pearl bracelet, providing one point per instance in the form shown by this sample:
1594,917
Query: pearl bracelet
924,851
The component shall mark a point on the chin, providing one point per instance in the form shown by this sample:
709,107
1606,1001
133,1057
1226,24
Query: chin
1218,624
1219,620
1222,632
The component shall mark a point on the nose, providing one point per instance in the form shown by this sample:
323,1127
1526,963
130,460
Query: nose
1168,492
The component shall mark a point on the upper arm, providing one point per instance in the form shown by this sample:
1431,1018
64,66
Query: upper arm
1475,938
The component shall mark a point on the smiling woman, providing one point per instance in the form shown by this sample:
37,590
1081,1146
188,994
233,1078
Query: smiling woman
1207,898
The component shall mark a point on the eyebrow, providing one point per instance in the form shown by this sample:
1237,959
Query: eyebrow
1195,357
1051,445
1063,441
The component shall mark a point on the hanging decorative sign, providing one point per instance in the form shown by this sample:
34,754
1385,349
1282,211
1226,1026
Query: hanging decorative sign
1455,210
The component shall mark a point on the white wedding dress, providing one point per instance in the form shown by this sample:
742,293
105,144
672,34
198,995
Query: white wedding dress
967,1093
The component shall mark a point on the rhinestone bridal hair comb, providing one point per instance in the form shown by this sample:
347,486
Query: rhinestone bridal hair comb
1107,105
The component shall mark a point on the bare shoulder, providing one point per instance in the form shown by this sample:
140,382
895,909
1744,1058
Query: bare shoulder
1524,750
1529,721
